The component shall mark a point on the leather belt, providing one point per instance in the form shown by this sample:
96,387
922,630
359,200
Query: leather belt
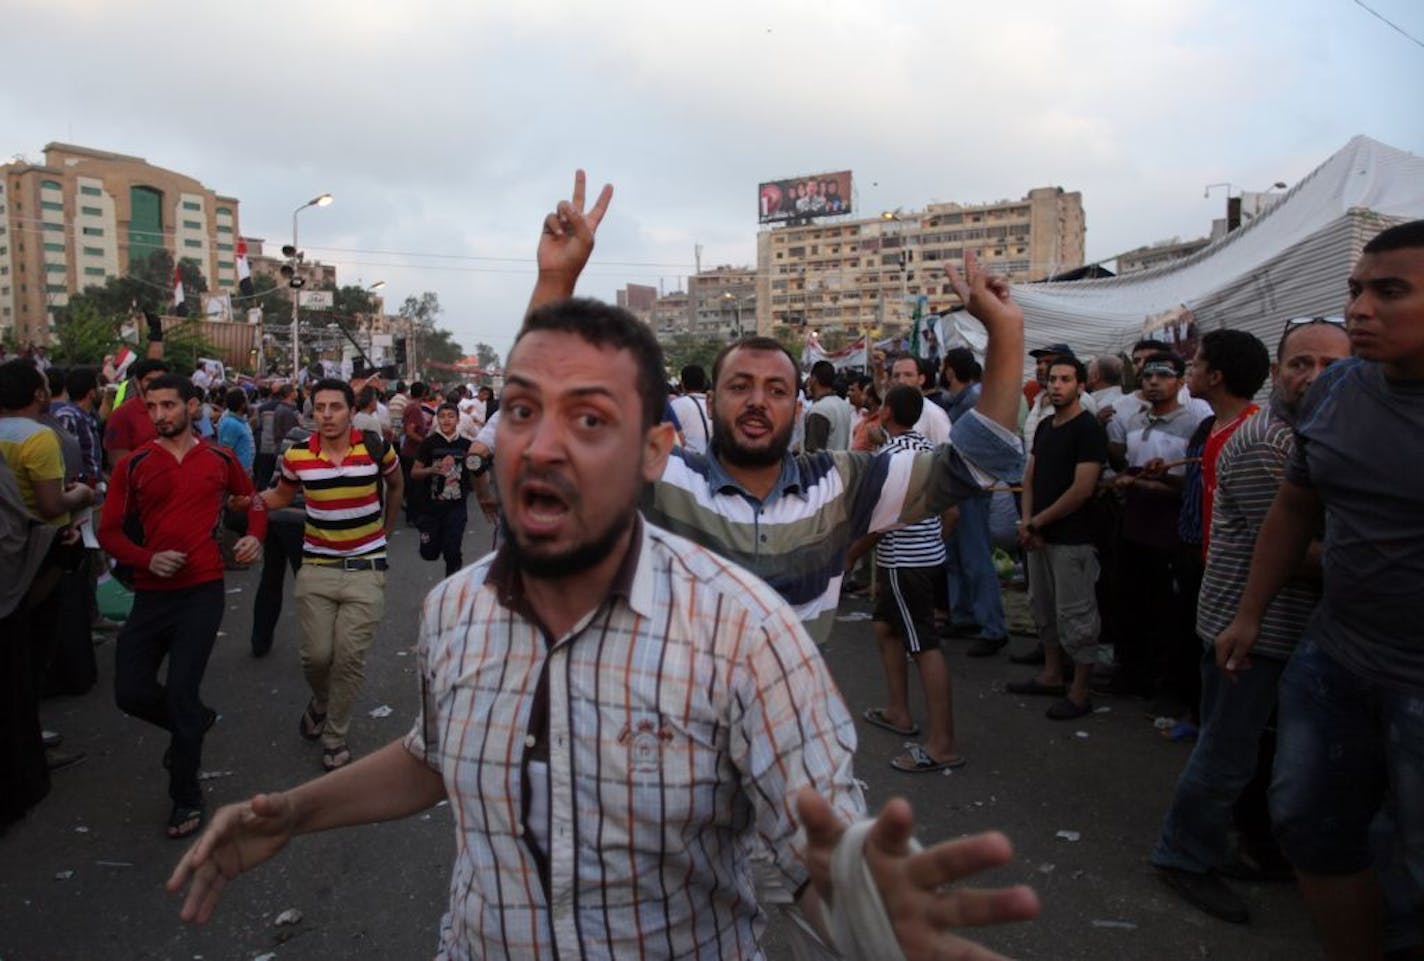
350,563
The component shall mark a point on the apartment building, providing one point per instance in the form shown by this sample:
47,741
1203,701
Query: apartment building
721,302
84,215
863,273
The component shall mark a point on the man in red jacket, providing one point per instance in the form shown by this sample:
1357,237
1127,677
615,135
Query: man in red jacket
172,489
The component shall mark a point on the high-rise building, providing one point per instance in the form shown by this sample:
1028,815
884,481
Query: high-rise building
85,215
721,302
856,274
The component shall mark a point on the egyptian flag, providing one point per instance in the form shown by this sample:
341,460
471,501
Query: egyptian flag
122,361
244,275
180,309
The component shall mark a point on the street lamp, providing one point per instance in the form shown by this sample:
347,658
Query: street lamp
296,282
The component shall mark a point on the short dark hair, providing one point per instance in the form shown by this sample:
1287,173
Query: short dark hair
693,377
186,389
1398,237
1166,357
960,360
332,383
79,381
1242,360
452,408
604,325
906,404
235,400
1080,371
19,379
1110,369
144,366
754,342
417,390
454,395
823,372
55,377
364,398
1157,346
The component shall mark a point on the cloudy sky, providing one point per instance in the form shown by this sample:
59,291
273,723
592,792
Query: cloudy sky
447,129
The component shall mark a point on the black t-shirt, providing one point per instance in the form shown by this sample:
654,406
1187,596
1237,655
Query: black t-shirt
1057,452
445,488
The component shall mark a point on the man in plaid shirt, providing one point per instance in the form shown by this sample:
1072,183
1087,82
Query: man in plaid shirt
615,714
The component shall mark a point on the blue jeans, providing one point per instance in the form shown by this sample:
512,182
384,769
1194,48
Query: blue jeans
1345,742
974,596
1196,833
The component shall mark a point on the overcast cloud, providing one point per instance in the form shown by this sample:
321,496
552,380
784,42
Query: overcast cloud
448,128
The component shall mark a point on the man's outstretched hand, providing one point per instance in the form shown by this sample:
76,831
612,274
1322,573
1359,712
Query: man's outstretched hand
239,837
922,907
566,243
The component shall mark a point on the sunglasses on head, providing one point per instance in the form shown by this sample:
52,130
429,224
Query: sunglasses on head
1295,322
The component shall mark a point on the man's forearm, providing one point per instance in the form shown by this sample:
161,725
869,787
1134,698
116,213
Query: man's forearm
550,288
391,783
1071,499
395,493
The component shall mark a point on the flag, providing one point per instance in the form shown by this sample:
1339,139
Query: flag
244,275
855,354
121,362
180,308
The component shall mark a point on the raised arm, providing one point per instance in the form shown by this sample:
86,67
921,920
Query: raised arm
566,243
988,300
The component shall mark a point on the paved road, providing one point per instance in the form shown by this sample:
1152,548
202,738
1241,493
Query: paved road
81,877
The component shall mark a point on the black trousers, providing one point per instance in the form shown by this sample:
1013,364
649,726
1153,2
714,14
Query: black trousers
24,777
442,528
1157,635
281,549
180,626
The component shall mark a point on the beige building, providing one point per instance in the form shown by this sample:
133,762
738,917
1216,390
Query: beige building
721,302
318,276
855,274
84,215
1155,255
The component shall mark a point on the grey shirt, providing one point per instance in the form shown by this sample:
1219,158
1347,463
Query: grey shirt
1359,445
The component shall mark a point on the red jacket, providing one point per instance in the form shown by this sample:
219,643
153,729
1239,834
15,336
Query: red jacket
179,506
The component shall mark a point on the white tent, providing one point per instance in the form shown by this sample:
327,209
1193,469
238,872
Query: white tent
1291,261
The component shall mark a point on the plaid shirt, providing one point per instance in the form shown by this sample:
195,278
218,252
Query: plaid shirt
679,719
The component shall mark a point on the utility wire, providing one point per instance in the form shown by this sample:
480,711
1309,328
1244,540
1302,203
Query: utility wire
1390,23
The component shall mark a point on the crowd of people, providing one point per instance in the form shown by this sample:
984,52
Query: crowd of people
1230,536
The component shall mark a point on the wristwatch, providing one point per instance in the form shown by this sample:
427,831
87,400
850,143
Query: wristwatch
1031,527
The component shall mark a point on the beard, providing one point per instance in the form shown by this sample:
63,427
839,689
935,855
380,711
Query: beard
1286,410
542,565
176,429
726,448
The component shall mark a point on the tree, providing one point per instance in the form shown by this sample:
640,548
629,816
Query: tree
83,335
682,350
437,345
486,356
351,300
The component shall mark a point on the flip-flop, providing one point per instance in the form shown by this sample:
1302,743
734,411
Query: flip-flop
312,723
921,763
184,821
876,716
335,758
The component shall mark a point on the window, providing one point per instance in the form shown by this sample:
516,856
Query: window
91,191
91,211
47,225
93,251
93,231
224,211
56,289
51,205
51,185
192,205
59,248
192,225
224,229
54,268
226,265
225,247
192,243
93,271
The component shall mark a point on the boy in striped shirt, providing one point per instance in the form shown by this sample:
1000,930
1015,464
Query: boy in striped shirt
910,559
341,586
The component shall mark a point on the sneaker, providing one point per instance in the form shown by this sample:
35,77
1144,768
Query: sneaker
1206,892
950,629
987,646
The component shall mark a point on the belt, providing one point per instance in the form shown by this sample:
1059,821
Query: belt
349,563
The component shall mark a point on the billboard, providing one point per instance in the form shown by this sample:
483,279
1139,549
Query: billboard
800,199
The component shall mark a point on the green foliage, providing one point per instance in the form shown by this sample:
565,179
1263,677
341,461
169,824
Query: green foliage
351,300
422,310
681,350
486,355
83,335
437,345
184,343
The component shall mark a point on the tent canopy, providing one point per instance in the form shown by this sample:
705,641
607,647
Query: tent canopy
1293,260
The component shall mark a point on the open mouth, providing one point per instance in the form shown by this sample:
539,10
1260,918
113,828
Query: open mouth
543,506
754,427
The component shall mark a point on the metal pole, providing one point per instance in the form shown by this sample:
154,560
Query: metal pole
296,297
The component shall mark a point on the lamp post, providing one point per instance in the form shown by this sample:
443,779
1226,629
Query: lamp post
321,201
370,319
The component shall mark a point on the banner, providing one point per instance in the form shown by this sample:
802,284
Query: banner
799,199
854,355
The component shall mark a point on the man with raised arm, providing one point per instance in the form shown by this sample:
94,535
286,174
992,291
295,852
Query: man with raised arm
618,716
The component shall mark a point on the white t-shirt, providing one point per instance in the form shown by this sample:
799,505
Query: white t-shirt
933,424
696,421
1126,406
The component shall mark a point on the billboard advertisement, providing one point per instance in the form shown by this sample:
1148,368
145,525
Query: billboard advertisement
804,198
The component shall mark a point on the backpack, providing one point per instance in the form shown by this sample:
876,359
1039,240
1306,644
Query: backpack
370,439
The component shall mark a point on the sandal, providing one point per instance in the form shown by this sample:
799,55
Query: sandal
185,821
335,758
313,722
876,716
917,760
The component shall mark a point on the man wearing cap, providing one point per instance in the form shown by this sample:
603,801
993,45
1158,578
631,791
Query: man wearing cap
1043,407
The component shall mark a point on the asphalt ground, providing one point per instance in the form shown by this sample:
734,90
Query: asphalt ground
82,876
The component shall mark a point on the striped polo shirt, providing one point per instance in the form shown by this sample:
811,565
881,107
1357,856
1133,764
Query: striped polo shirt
920,544
797,537
343,504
